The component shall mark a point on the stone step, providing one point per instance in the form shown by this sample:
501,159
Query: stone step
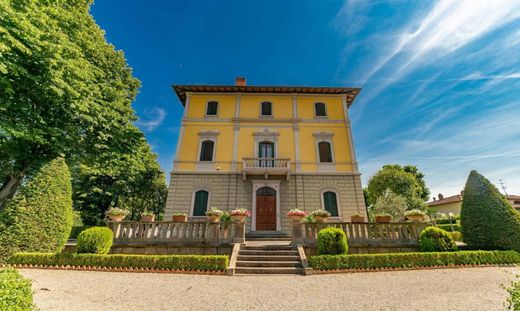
268,270
247,263
268,247
267,239
269,252
267,258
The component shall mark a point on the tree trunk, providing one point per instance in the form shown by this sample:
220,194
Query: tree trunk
9,188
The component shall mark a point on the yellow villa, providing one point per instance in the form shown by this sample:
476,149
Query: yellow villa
268,149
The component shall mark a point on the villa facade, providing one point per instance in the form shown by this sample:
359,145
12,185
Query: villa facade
266,149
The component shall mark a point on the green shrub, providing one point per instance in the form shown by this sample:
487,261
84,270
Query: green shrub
514,299
488,220
446,221
15,291
95,240
332,241
456,235
186,262
76,230
456,227
433,239
39,217
413,260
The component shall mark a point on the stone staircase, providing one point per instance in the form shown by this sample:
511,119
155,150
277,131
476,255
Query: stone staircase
268,256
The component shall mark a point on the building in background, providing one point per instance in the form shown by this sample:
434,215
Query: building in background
268,149
453,204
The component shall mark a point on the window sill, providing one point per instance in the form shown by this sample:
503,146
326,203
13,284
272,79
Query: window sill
321,117
267,116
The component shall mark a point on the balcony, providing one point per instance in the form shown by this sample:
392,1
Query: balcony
266,167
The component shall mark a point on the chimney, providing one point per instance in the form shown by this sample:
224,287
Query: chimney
462,193
434,199
240,81
441,196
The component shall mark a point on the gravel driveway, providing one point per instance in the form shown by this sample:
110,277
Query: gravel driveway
446,289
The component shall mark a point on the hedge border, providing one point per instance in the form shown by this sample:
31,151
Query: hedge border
335,271
193,264
408,261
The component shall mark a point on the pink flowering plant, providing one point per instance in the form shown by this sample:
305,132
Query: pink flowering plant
240,212
296,212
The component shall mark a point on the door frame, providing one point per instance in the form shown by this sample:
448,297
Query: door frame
273,184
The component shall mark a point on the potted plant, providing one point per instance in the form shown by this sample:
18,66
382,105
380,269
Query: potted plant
383,218
357,218
415,215
116,214
225,221
239,215
147,216
296,214
180,217
320,215
214,214
308,219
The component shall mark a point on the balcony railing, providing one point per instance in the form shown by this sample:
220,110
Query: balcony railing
274,166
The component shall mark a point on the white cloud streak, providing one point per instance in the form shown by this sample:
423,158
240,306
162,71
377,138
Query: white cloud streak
155,117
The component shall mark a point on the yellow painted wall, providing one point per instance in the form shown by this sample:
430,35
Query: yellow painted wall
453,207
281,107
333,106
226,105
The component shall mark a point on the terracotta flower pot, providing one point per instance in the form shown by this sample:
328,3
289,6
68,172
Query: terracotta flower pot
383,219
116,218
320,218
238,218
296,218
147,217
415,218
179,218
214,218
357,219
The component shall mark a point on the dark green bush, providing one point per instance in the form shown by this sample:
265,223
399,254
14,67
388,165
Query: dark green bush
76,230
186,262
15,291
332,241
446,221
488,220
413,260
95,240
449,228
433,239
39,217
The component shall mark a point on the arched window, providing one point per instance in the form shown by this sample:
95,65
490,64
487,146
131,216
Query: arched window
212,108
267,109
320,110
325,151
200,204
206,150
330,203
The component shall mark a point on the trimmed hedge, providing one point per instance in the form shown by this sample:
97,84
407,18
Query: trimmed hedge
413,260
76,230
180,262
449,228
15,291
433,239
39,217
96,240
513,300
332,241
456,235
488,220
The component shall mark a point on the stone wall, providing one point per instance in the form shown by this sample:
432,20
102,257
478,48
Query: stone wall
229,191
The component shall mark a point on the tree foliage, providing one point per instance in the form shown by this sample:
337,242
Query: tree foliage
39,217
405,181
488,220
390,203
65,91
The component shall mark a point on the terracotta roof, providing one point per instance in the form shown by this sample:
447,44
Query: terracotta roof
446,200
513,197
181,90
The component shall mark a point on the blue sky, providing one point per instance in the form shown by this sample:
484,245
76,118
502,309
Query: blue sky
440,79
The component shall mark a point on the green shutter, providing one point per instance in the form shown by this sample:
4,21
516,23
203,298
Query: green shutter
331,203
201,203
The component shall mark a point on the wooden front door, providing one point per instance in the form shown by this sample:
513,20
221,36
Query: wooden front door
266,209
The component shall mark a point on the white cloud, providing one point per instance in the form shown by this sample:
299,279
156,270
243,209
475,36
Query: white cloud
155,117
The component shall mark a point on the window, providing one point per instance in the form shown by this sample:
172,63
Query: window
267,109
330,203
325,151
319,109
212,108
266,150
200,206
206,150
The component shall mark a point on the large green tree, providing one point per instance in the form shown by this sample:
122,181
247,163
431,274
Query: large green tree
63,89
488,220
405,181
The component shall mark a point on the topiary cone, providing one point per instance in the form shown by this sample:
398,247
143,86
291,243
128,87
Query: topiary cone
488,220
